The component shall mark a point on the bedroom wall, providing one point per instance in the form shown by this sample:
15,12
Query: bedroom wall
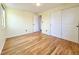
19,22
45,23
55,28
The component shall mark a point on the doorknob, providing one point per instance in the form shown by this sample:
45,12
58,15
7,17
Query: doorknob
77,26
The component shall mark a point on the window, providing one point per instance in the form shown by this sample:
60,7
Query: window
2,16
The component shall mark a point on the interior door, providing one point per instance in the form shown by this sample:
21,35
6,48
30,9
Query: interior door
70,21
56,24
37,23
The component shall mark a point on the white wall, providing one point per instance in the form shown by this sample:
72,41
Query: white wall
2,40
19,22
45,23
2,32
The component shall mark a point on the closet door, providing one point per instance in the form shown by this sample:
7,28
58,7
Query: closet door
37,23
45,24
70,21
56,24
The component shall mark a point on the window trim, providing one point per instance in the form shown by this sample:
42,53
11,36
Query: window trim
3,16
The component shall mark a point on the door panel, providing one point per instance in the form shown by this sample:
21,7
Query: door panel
70,19
37,23
56,24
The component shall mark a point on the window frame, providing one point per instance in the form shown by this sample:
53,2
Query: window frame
3,20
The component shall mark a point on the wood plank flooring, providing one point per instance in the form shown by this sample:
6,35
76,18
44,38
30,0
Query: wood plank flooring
39,44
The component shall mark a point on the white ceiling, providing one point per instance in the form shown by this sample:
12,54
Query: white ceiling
32,6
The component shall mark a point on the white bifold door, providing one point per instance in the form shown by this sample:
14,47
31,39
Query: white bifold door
56,24
70,23
65,24
62,24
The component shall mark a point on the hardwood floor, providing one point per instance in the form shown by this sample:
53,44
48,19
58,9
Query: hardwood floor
39,44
